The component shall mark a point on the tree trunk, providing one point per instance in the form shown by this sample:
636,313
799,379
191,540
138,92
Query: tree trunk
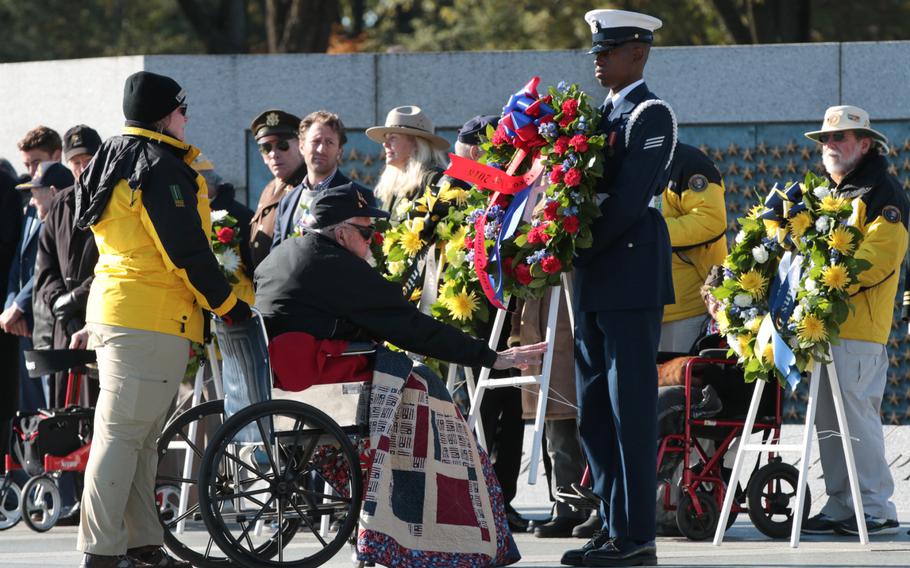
300,26
224,32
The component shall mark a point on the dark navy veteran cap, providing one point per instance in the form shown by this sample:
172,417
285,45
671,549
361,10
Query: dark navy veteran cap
80,139
336,204
49,174
473,129
275,122
610,28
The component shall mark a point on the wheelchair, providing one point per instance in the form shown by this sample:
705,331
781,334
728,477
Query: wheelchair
47,443
275,480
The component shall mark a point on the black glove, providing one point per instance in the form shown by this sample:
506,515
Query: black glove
240,312
66,306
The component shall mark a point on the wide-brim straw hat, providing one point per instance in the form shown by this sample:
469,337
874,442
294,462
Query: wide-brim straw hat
409,120
847,117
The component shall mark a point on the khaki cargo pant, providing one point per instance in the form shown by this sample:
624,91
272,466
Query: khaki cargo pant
139,372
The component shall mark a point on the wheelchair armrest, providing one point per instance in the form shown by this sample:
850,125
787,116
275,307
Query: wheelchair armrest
359,348
716,353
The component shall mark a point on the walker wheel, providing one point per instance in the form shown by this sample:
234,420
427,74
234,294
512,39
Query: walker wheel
771,495
10,497
40,503
692,525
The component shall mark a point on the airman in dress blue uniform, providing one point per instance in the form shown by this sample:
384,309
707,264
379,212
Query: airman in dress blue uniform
621,285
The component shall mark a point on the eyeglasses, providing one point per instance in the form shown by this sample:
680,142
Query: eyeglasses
182,109
365,232
833,137
281,146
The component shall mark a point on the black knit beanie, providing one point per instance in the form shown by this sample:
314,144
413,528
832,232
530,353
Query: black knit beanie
149,97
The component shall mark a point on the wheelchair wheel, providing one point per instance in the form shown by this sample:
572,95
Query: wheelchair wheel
10,497
692,525
184,434
40,503
279,470
771,496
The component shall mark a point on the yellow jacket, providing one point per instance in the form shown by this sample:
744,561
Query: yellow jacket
149,211
693,207
880,211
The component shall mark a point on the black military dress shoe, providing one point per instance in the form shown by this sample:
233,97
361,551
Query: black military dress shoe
101,561
155,557
559,527
576,556
622,552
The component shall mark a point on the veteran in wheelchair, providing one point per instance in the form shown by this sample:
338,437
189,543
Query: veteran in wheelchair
284,484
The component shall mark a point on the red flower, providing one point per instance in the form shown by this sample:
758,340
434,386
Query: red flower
538,235
570,108
572,177
551,264
500,138
556,174
550,212
225,235
561,146
523,274
502,200
507,266
579,142
570,224
469,243
378,238
565,121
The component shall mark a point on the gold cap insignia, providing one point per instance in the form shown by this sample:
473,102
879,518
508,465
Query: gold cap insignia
361,200
271,119
833,119
74,140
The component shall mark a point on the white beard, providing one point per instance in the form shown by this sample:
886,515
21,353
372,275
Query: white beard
840,164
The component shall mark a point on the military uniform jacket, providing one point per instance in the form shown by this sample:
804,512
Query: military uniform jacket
628,264
880,210
262,227
693,207
284,216
314,285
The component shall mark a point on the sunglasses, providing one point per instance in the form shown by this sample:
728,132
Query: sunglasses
833,137
365,232
281,146
182,109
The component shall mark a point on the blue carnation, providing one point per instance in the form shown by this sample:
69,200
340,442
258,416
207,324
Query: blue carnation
469,256
728,274
562,87
491,231
570,210
494,212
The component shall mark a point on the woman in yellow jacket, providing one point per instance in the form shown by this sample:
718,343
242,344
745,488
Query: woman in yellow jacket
149,212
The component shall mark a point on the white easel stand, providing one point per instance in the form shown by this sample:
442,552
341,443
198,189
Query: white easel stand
484,382
452,375
211,360
804,449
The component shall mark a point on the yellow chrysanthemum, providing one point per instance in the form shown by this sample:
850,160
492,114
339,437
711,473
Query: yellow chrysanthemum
841,240
830,203
768,353
722,322
426,203
753,283
756,211
462,305
456,243
753,325
812,329
415,295
744,346
454,193
410,239
835,277
799,223
771,228
388,242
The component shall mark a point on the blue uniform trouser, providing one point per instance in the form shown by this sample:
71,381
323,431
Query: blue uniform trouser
616,378
31,391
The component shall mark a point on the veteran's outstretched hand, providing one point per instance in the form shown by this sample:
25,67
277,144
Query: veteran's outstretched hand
520,357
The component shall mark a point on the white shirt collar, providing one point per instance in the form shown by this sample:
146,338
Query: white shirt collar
618,98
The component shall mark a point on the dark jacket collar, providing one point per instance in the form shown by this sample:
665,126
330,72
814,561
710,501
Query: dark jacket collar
638,94
864,177
296,177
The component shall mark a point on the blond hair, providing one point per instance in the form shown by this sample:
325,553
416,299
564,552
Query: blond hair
395,182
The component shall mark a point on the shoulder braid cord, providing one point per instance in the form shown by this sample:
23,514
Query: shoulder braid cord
637,113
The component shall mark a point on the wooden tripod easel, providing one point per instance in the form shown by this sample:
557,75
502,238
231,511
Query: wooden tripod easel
805,449
484,382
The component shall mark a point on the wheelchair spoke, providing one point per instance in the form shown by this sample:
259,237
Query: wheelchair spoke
317,495
246,466
267,446
308,523
286,476
189,443
252,522
176,520
280,531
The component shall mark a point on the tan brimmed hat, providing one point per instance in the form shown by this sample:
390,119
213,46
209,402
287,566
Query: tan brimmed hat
408,120
846,117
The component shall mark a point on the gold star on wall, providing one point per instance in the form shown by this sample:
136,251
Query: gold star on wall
907,144
762,167
763,186
762,148
775,172
747,173
718,156
893,400
747,154
734,207
819,168
367,180
893,378
353,154
732,187
907,413
805,153
354,174
791,167
892,342
792,414
892,152
893,361
894,419
775,153
733,169
892,169
906,165
705,150
906,354
368,160
906,184
732,149
791,147
907,394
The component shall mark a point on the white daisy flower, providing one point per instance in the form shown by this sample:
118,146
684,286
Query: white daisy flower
822,223
821,192
760,254
229,260
743,300
218,216
740,237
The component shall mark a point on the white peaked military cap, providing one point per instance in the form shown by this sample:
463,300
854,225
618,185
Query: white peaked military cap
610,28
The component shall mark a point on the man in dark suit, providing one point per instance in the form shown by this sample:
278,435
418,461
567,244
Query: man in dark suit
322,140
10,229
621,285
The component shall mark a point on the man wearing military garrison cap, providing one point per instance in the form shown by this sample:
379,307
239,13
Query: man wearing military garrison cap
276,134
621,284
854,157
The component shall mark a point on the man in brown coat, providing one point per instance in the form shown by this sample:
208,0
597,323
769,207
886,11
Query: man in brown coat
276,134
